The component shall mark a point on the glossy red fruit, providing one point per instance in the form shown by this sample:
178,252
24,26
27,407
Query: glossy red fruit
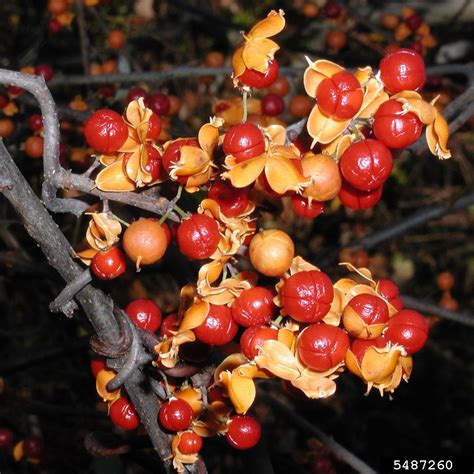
33,447
6,437
232,201
366,165
123,414
154,164
321,346
198,236
253,307
170,323
394,128
35,122
253,338
402,69
272,105
253,78
243,432
54,26
176,415
44,70
97,365
145,314
173,152
218,328
409,329
388,290
307,296
190,443
304,208
154,127
355,199
365,316
332,9
105,131
244,141
340,96
159,103
109,264
134,93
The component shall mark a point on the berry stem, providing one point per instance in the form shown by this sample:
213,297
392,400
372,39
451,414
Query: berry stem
125,223
173,207
244,106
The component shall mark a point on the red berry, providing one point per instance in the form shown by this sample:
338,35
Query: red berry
198,236
154,164
366,165
232,201
105,131
321,346
176,415
272,105
190,443
307,296
173,152
253,338
409,329
332,9
154,127
259,80
44,70
244,141
253,307
54,26
3,101
394,128
402,69
170,323
417,46
107,91
6,437
218,328
388,290
355,199
304,208
33,447
123,414
159,103
135,93
414,22
243,432
365,316
145,314
340,96
35,122
108,264
14,90
97,365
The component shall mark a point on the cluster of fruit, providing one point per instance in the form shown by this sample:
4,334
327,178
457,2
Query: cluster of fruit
408,29
30,448
294,323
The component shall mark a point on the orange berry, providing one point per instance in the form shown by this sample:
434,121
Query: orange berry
109,67
445,281
310,10
336,39
57,7
271,252
280,87
324,174
389,21
34,146
6,127
300,105
145,241
175,104
214,59
116,39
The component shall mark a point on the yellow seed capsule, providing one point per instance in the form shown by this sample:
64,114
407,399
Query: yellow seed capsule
271,252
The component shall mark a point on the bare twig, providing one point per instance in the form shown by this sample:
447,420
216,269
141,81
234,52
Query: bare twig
339,451
63,302
84,40
429,308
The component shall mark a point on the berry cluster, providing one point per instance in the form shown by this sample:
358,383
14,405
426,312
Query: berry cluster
292,322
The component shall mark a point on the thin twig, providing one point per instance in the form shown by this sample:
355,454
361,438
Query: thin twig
339,451
63,301
84,40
